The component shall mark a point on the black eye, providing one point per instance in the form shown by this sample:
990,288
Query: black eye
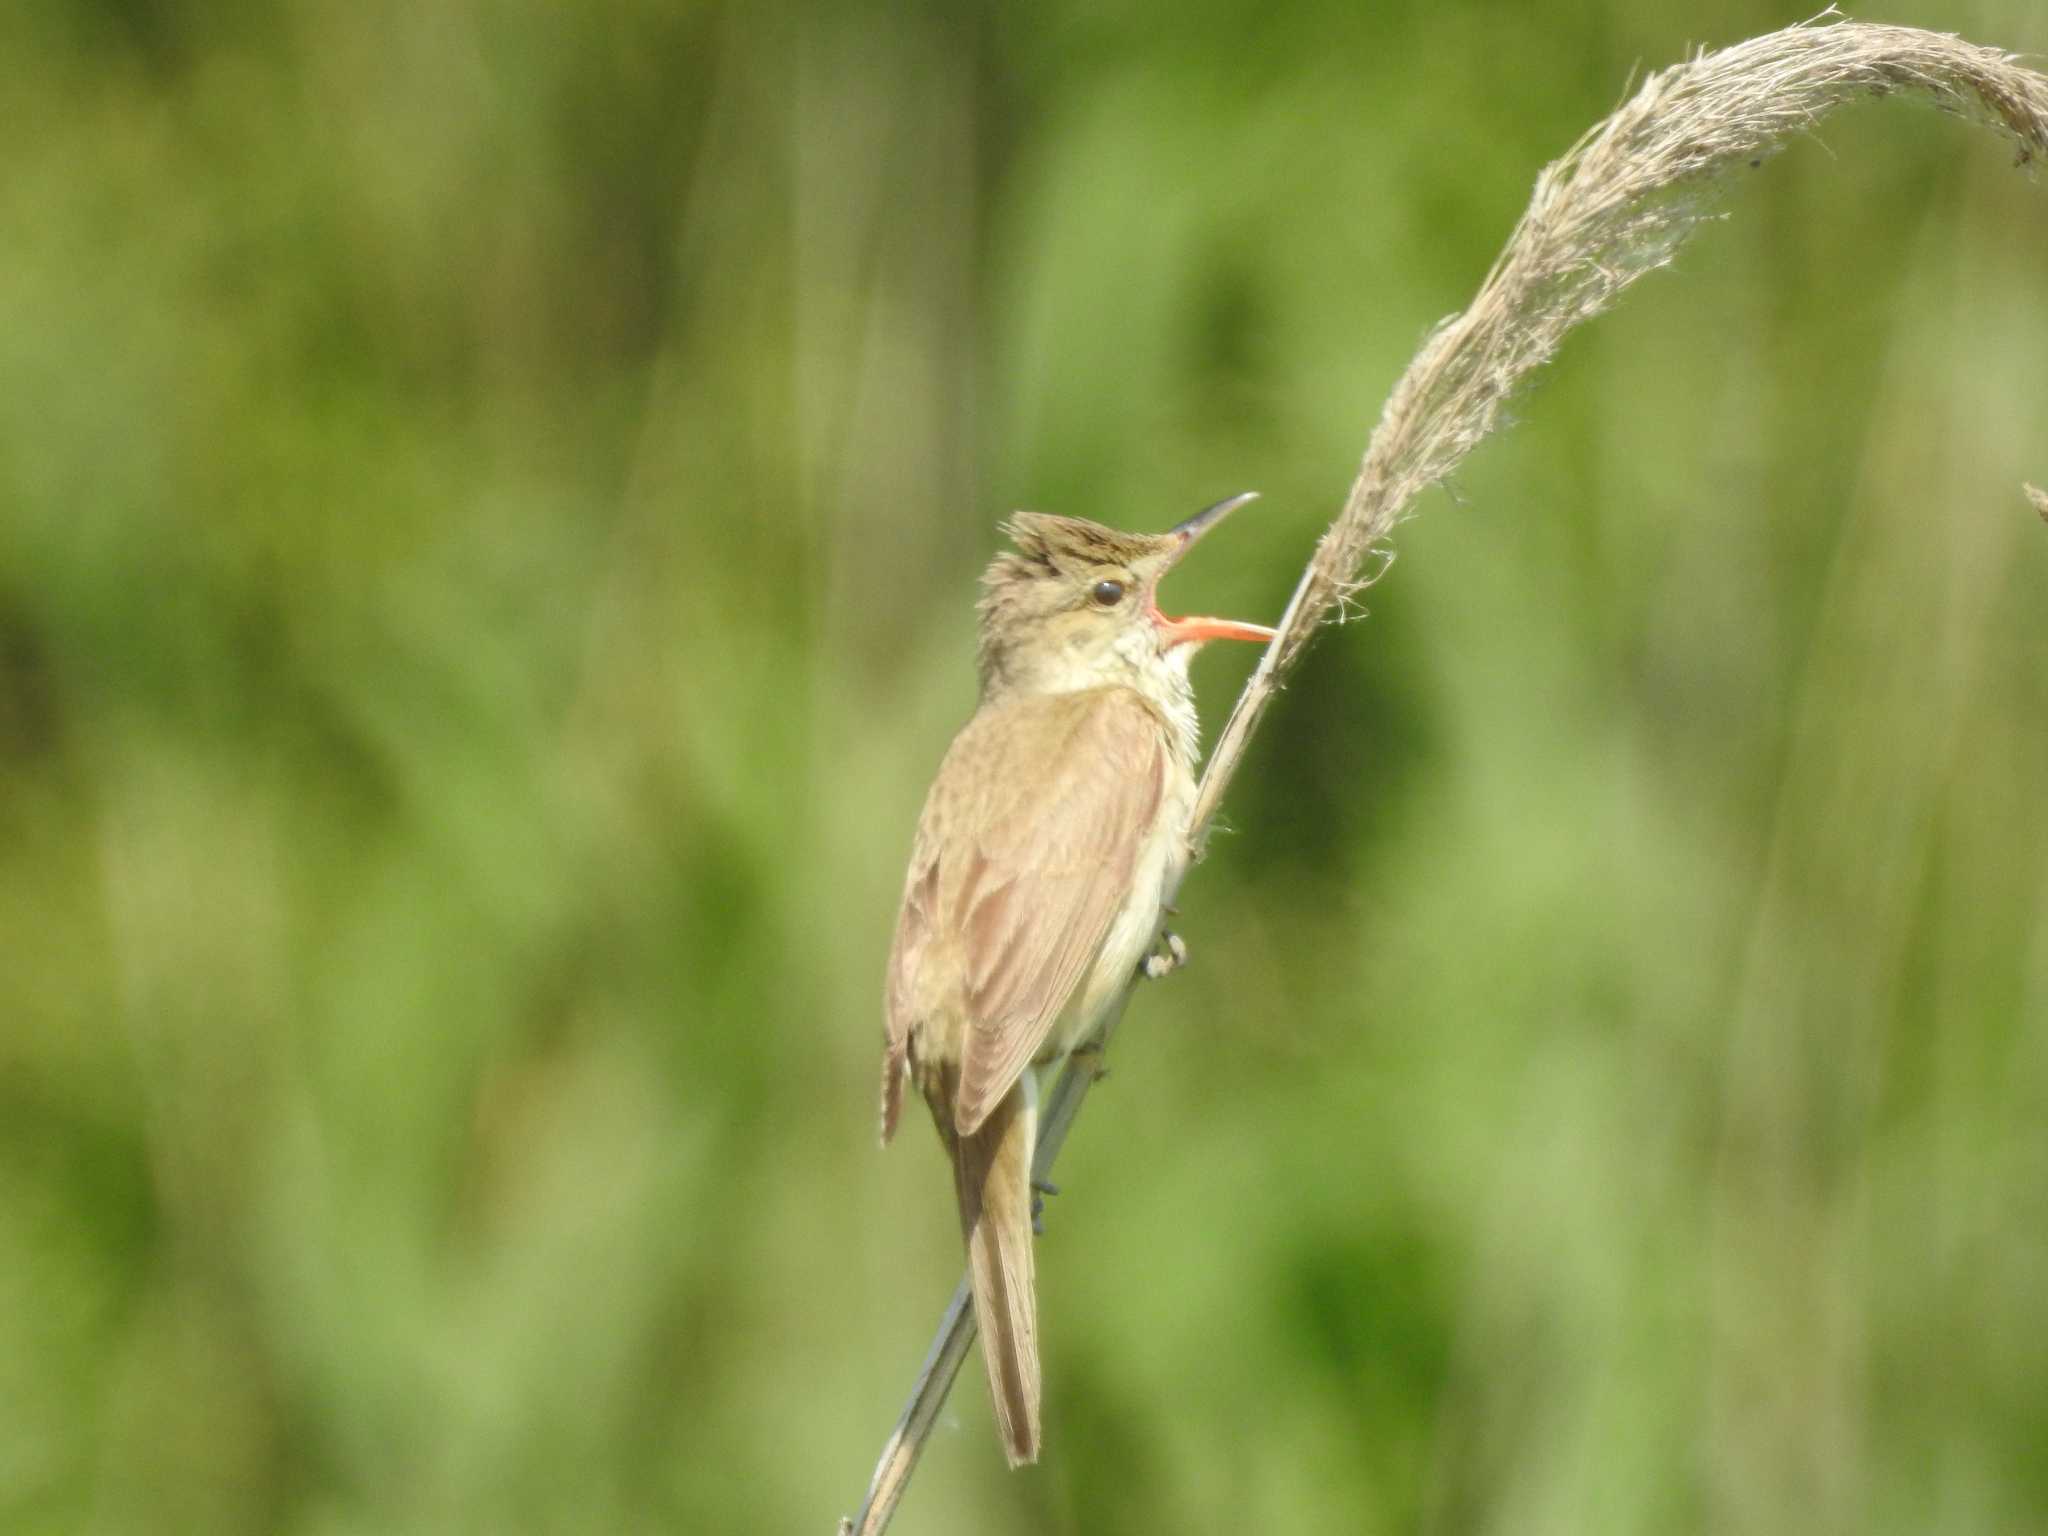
1109,593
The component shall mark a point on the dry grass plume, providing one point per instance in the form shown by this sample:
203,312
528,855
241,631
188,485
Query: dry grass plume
1618,204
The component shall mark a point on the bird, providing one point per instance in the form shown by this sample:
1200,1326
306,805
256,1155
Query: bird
1052,838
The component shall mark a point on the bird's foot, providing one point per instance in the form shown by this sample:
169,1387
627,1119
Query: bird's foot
1041,1191
1089,1057
1169,957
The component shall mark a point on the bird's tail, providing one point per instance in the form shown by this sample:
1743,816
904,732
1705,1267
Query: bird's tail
992,1175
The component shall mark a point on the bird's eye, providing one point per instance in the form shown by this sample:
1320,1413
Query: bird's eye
1109,593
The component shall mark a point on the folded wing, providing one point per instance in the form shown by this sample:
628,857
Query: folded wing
1024,857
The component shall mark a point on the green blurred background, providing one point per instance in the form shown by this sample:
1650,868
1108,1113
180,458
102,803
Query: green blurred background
490,497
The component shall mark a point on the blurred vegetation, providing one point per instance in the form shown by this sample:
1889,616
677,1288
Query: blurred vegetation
490,495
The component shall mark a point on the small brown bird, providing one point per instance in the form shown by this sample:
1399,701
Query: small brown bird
1048,845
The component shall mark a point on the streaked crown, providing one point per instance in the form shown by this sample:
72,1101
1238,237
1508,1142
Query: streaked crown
1050,610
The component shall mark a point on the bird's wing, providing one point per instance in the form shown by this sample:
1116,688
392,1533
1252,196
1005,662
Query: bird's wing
1025,855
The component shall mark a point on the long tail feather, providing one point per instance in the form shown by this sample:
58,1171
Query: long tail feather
992,1175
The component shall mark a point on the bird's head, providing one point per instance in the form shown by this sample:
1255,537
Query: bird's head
1076,606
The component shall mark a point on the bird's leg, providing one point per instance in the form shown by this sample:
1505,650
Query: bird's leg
1169,957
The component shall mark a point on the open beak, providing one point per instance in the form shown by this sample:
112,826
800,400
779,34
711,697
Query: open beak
1197,630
